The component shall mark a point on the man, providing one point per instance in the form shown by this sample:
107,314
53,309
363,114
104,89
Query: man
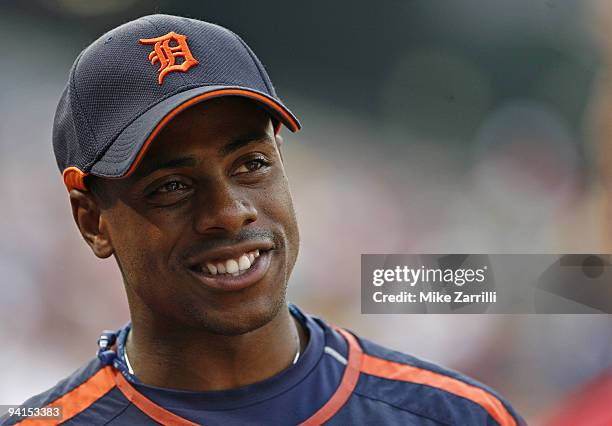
167,135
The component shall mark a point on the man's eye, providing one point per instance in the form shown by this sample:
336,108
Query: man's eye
251,166
170,187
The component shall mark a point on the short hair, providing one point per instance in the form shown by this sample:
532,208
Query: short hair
97,186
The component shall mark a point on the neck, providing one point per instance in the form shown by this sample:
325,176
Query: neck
198,360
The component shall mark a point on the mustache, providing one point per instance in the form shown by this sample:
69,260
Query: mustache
260,235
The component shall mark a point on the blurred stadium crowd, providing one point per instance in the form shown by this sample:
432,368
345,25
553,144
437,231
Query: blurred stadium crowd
429,127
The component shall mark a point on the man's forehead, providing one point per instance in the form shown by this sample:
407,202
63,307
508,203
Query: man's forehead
216,121
224,112
190,153
216,127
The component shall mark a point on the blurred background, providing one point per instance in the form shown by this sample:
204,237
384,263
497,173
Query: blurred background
472,126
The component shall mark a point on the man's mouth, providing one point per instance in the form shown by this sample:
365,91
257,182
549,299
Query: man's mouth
232,266
235,272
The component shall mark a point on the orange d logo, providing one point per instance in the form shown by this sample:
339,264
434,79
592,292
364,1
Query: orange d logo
166,54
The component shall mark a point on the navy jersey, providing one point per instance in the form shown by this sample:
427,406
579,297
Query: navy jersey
340,379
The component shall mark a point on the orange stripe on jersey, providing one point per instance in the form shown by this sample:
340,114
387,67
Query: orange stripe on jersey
407,373
78,399
331,407
346,387
151,409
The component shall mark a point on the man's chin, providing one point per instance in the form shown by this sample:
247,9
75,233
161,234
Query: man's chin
238,320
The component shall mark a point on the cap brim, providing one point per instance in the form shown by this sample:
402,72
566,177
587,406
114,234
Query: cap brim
125,153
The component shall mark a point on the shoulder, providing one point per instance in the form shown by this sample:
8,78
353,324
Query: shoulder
88,393
428,390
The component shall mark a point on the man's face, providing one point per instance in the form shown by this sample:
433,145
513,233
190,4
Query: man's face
211,188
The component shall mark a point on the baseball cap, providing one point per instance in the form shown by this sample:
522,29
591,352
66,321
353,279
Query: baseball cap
125,86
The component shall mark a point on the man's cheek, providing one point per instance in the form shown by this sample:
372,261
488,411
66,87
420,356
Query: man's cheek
139,256
282,214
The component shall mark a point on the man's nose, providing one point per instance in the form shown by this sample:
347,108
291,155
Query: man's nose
223,210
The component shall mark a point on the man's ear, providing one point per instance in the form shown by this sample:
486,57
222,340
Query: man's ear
279,144
87,215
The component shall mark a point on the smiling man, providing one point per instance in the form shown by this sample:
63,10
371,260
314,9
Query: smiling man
167,135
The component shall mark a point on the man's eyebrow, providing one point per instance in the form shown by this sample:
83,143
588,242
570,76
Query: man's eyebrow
188,161
243,141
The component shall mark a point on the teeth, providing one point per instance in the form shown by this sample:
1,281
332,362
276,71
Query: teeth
231,266
244,262
211,268
234,267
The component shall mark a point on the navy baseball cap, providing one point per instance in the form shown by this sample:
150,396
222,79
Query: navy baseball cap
125,86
